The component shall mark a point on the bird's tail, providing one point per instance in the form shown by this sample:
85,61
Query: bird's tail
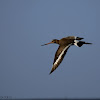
80,43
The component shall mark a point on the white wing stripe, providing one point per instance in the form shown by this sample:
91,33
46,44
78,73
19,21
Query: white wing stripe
62,54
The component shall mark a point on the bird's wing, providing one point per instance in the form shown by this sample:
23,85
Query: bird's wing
60,53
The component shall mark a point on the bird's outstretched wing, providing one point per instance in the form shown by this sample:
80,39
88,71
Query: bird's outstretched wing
60,53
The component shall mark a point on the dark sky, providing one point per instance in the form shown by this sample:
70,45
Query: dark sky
25,65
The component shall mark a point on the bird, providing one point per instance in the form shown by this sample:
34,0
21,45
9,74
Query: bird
64,45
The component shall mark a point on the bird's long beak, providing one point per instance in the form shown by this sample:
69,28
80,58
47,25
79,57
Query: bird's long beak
46,43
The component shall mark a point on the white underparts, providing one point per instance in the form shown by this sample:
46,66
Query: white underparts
75,42
62,54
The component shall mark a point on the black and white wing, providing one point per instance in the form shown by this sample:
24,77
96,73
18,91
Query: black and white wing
60,53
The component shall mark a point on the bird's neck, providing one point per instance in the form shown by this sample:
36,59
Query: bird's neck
57,41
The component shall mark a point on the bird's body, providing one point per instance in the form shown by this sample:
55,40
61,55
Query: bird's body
64,44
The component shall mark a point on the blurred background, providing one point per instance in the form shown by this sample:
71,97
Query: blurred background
25,65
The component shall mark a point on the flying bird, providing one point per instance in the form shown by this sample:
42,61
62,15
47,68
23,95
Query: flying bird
64,44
